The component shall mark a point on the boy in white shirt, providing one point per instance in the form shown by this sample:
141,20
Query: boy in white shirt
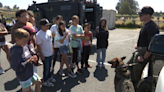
45,48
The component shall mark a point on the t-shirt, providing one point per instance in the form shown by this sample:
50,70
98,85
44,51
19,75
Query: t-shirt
54,30
59,37
44,39
75,30
88,39
2,28
16,26
146,34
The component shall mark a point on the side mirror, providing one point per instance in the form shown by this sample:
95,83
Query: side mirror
156,45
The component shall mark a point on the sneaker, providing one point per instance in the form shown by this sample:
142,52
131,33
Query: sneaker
87,65
79,71
72,75
1,71
47,83
61,73
52,79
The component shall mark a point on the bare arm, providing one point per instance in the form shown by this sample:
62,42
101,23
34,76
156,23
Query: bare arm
4,32
40,52
78,36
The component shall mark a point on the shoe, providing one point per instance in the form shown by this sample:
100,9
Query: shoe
72,75
52,79
1,71
79,71
47,83
87,65
62,73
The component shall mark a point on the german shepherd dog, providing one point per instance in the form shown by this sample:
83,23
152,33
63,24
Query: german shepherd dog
122,80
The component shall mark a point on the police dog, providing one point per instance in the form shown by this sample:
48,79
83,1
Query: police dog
122,77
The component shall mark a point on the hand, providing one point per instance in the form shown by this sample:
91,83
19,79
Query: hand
135,46
140,59
42,58
66,33
34,58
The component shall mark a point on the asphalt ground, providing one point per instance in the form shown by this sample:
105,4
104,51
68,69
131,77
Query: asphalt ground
121,43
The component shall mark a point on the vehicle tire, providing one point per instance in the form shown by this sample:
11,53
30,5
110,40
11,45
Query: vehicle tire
145,85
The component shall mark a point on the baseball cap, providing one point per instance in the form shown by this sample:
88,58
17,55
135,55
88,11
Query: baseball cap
146,10
29,29
44,21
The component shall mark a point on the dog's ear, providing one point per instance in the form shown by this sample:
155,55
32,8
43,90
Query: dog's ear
123,57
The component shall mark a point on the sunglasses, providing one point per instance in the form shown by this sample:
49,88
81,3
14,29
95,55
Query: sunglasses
140,15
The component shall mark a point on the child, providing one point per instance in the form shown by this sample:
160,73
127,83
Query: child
31,43
87,45
77,33
23,19
21,62
3,44
102,36
45,49
62,37
54,29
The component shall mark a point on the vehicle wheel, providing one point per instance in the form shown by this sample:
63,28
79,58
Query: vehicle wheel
145,85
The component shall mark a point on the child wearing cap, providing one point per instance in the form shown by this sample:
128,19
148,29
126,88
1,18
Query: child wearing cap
45,49
21,61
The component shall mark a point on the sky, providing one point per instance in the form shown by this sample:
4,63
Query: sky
158,5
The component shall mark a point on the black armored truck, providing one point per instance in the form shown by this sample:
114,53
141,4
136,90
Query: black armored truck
87,10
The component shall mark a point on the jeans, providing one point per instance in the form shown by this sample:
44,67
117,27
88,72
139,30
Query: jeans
102,59
46,68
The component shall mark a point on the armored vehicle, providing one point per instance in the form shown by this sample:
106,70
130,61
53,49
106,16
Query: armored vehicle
88,11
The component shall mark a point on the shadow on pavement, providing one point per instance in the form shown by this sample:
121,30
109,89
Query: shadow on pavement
68,83
10,85
101,73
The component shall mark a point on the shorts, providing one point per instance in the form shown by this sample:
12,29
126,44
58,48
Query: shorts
64,49
3,43
29,82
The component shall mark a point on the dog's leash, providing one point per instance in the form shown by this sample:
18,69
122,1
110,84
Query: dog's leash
132,64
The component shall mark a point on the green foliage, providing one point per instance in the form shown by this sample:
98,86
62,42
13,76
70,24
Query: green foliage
7,7
129,25
127,7
15,7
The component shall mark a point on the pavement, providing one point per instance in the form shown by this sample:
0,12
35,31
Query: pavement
121,43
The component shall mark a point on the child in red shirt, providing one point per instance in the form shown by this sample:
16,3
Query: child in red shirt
87,45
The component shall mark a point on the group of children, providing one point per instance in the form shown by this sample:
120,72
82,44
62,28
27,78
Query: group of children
29,45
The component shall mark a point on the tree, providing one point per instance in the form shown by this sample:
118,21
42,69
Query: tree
15,7
127,7
7,7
